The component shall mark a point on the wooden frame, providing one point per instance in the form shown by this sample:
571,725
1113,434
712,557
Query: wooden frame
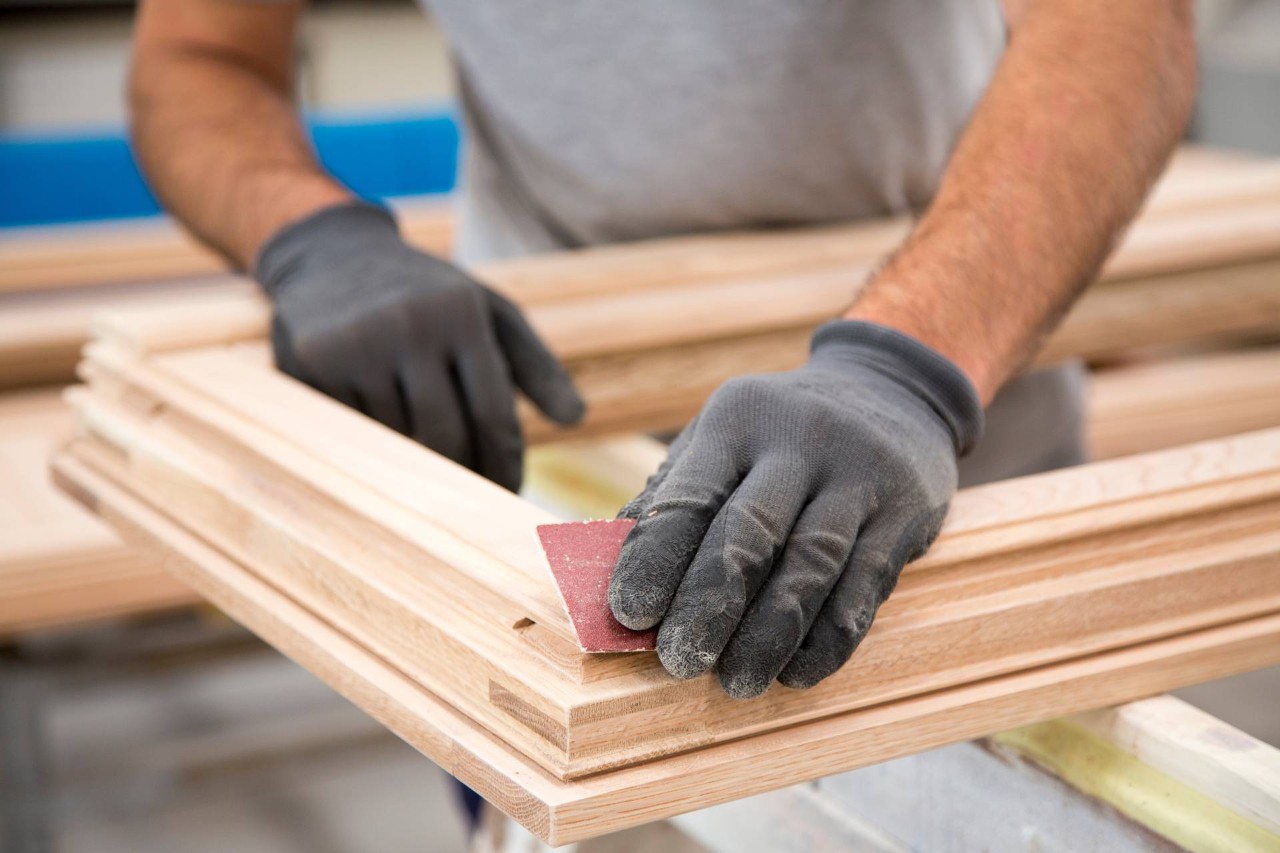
282,500
562,812
59,567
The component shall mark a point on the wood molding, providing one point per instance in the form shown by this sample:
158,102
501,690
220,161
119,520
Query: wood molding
562,812
371,532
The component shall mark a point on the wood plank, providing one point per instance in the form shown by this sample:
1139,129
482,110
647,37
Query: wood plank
1093,764
562,812
41,334
155,249
1157,404
701,310
1149,546
1207,755
660,388
58,565
1167,283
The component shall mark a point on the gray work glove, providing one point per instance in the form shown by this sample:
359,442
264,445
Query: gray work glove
408,339
785,511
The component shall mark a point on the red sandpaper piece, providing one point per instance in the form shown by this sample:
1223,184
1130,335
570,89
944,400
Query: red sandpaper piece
582,555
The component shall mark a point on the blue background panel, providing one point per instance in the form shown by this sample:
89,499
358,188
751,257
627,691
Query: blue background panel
74,177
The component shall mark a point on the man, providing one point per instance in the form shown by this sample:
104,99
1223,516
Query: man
787,508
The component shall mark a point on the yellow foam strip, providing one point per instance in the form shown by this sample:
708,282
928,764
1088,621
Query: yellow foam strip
1149,797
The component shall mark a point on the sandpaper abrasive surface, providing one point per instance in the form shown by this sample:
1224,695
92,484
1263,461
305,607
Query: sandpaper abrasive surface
582,555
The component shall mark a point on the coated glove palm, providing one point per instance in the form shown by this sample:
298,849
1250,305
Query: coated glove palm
408,339
785,511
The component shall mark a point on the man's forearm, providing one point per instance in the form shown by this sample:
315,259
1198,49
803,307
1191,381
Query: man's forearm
1081,116
219,139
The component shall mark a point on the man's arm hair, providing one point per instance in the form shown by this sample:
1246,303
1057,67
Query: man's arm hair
1080,118
214,121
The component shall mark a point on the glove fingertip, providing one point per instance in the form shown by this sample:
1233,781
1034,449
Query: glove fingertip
563,404
683,649
801,673
632,606
634,597
743,684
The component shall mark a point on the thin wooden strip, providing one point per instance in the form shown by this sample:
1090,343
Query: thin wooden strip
58,565
1029,503
41,334
152,249
1213,758
1171,402
1193,306
561,812
1169,808
88,590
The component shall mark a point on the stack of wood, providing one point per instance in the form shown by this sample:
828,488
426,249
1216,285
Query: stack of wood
53,280
650,329
418,589
58,565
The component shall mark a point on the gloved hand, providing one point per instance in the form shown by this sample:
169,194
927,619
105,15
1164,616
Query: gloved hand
408,339
785,511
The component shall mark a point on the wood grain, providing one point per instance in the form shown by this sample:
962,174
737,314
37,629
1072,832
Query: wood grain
300,490
58,565
562,812
1211,757
154,249
1202,263
1164,403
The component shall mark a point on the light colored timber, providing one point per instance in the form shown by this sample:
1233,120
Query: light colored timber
372,532
1152,405
1177,771
1171,767
649,330
562,812
1202,263
54,575
59,566
41,334
1207,755
155,249
640,386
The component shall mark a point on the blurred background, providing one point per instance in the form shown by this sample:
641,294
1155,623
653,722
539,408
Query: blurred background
177,731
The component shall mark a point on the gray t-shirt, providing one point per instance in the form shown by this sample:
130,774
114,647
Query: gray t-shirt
599,121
